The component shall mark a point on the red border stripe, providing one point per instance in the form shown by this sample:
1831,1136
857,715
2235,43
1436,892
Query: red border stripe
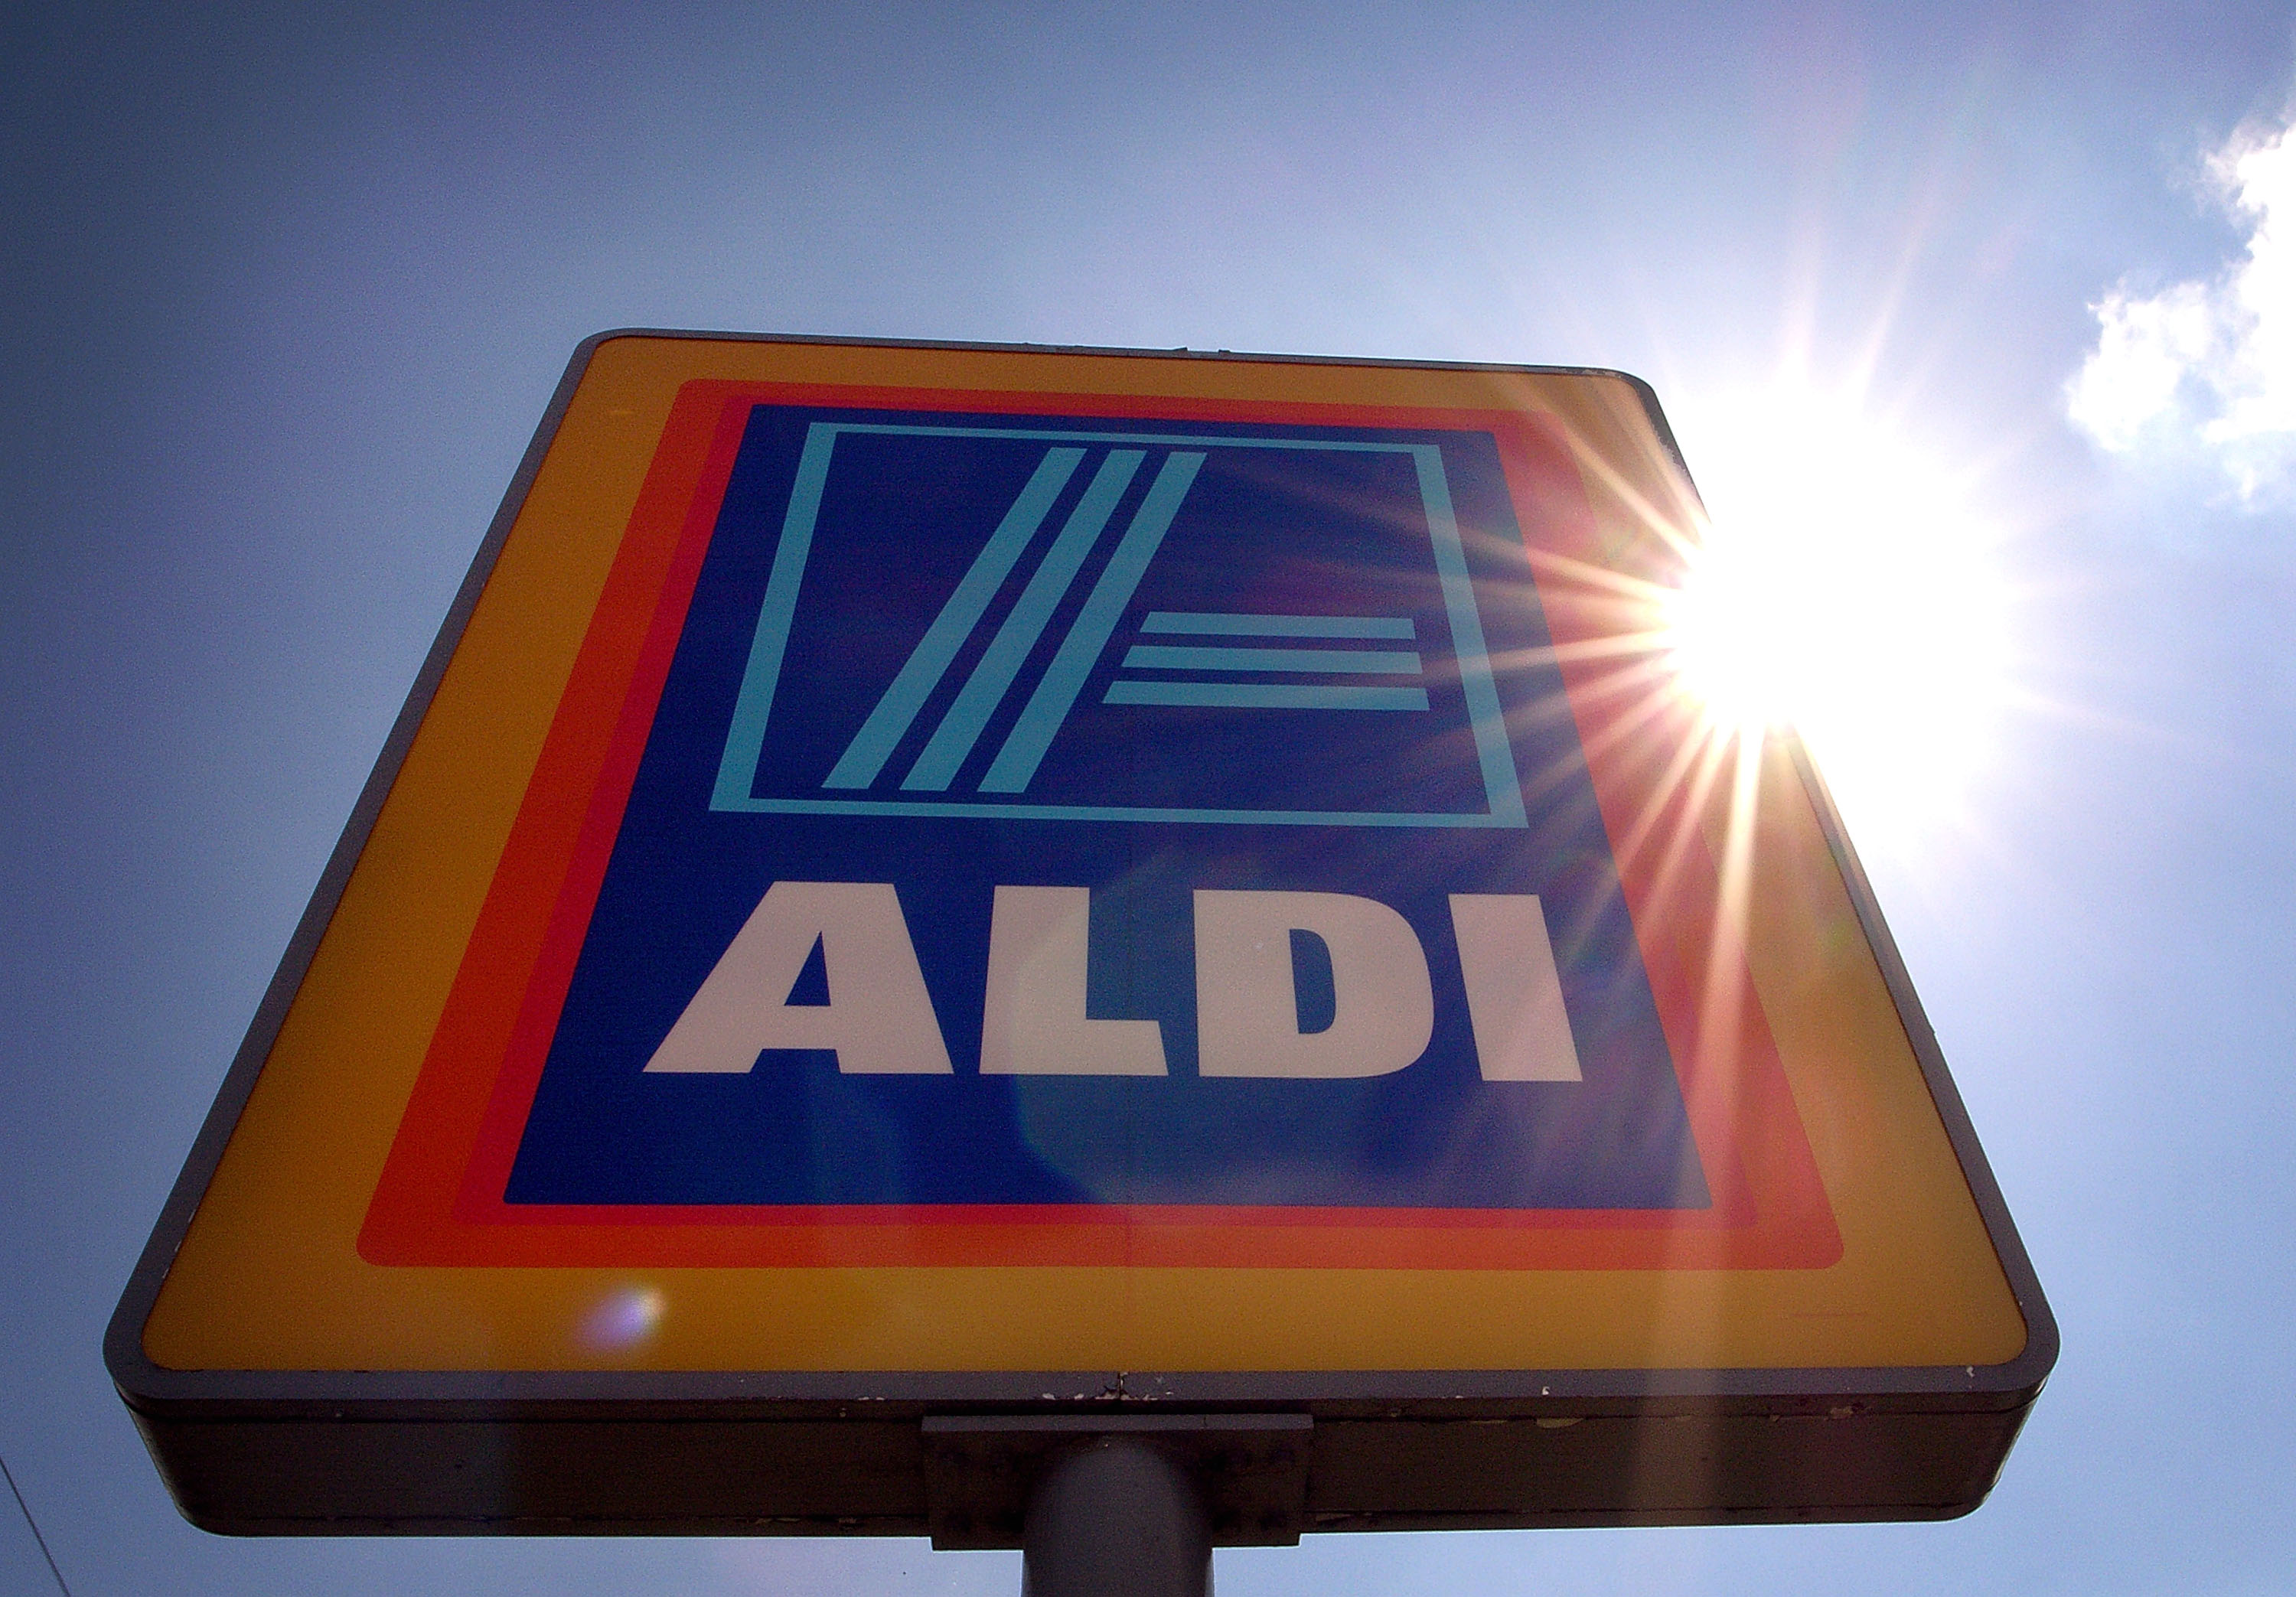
438,1201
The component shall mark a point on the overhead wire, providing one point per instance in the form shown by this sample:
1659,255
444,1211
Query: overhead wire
33,1525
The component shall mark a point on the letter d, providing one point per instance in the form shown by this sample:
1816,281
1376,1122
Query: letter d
1247,1009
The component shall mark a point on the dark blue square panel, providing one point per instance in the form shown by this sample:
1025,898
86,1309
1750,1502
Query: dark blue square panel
1068,811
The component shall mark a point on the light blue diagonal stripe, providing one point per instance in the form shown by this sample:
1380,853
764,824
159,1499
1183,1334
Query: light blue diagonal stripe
985,689
1213,624
1264,695
1467,646
1381,662
874,744
1016,762
745,737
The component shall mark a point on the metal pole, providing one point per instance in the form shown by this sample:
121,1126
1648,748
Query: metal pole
1117,1519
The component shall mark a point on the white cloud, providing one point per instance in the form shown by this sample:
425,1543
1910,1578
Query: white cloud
2212,362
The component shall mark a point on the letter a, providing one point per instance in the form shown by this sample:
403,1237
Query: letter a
1033,1022
1247,1008
1514,995
878,1017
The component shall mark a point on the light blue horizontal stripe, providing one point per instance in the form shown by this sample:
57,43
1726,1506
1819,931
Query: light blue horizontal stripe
1188,440
1264,695
1208,624
1115,812
1378,662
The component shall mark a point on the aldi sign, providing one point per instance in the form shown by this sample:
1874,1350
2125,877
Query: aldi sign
929,875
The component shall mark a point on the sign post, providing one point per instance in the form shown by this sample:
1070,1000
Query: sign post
947,923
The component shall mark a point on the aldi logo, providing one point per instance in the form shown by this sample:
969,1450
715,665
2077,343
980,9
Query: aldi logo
994,616
1016,826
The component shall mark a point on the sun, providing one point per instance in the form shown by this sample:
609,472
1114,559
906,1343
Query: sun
1847,586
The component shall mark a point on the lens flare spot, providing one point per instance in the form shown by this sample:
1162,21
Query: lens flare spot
623,1319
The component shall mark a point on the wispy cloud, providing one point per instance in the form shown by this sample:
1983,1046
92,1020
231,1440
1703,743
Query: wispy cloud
2211,363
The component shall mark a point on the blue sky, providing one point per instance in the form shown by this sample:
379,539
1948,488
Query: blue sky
287,290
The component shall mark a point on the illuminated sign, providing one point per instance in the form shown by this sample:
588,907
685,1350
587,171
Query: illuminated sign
931,875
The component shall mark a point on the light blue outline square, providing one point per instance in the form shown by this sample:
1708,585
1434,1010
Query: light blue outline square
746,734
